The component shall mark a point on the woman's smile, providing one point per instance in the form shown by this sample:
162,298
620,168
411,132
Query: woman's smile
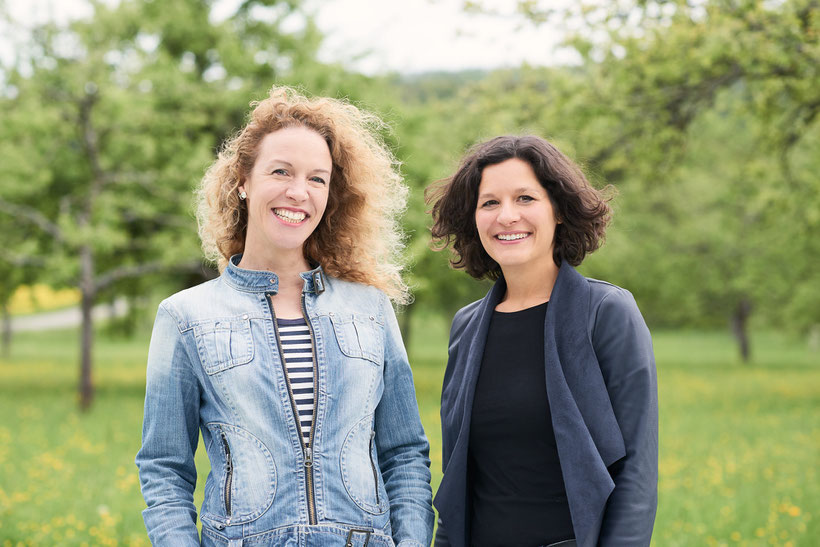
290,216
512,237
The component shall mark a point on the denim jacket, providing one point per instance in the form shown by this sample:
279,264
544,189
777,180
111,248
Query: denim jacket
215,367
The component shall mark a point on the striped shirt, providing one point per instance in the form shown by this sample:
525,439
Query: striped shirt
297,350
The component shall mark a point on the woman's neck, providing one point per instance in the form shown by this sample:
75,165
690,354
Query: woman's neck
527,287
287,300
286,267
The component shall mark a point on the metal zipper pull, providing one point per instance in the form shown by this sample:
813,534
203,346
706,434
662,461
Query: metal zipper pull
228,475
308,457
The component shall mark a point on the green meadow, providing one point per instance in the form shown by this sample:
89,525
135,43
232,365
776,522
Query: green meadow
740,444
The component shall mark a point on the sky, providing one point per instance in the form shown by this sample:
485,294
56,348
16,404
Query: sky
406,36
422,35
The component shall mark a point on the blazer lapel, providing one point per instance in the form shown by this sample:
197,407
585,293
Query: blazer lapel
451,497
586,432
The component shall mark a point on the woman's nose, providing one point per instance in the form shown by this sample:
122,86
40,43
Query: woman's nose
297,190
508,214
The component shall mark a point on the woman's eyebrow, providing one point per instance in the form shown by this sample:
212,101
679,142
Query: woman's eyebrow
288,164
284,162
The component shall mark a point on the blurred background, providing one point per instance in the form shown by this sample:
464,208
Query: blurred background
703,114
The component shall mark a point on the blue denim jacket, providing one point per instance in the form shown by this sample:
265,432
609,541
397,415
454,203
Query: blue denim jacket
214,366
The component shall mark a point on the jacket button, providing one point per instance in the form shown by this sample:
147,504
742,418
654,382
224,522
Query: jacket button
245,316
330,314
372,318
273,281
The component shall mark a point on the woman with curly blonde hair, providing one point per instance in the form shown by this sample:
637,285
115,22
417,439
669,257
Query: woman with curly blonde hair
291,363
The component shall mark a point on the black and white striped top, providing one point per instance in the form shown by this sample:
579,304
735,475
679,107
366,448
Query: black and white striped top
298,352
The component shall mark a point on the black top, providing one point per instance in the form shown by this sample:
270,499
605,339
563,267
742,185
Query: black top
514,476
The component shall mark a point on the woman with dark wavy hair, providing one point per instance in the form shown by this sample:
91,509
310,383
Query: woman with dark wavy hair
549,406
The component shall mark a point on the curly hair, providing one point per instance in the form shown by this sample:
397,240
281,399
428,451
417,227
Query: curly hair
358,238
584,212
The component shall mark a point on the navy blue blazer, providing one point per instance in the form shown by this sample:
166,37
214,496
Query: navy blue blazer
602,389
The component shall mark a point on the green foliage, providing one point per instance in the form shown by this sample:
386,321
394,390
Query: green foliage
109,123
703,115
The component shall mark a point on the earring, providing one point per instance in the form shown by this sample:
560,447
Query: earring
242,194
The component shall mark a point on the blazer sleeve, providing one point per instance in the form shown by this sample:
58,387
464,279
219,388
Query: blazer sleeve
450,388
441,535
623,347
449,385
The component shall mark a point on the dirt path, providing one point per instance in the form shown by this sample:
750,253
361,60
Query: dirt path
69,317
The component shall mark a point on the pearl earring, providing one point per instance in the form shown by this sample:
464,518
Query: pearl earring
242,194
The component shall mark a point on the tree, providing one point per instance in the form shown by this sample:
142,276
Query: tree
110,122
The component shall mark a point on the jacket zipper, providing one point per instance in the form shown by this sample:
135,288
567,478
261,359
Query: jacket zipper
373,465
307,451
228,476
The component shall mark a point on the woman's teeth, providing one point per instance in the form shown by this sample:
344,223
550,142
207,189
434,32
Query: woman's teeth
510,237
289,216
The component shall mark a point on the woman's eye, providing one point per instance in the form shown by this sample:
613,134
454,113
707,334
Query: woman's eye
320,180
526,198
489,203
280,171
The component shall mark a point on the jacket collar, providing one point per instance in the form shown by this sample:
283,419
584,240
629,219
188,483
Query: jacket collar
245,280
568,280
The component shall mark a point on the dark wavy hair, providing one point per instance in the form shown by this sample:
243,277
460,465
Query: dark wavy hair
584,211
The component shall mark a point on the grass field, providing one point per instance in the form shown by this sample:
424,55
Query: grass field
740,445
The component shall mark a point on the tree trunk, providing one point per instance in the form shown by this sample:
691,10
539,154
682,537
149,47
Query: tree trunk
739,324
86,386
6,330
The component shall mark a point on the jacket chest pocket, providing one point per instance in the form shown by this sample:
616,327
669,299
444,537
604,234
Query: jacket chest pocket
359,336
224,343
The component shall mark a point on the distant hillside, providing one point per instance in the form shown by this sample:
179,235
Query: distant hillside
437,85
